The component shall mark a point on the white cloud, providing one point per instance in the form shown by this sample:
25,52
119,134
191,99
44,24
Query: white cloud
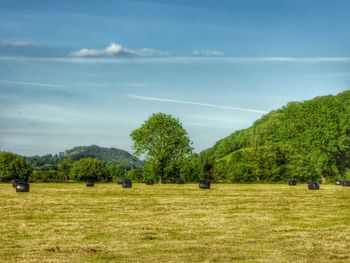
15,44
86,53
153,52
196,104
117,50
207,53
113,49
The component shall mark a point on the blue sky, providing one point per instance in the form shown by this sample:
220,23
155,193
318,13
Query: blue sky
89,72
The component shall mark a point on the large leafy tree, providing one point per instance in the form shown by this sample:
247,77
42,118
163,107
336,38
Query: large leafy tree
164,143
89,169
13,166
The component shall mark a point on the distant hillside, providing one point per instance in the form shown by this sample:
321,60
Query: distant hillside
302,140
108,155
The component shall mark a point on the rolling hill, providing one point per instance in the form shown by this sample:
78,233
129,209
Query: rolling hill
302,140
108,155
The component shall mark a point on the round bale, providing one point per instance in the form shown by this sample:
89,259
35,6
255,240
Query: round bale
204,184
127,183
312,185
22,187
149,182
292,182
90,183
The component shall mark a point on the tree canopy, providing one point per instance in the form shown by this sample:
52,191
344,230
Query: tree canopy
90,169
13,166
164,143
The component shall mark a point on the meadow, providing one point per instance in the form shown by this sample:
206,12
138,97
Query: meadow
175,223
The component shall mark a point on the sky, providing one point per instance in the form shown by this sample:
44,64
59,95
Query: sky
89,72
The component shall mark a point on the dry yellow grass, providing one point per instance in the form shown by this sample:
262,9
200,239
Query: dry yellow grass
174,223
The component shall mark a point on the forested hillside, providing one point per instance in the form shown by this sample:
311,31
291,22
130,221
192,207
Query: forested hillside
108,155
58,167
302,140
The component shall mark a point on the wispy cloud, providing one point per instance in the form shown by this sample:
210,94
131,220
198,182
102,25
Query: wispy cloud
207,53
31,83
16,44
117,50
196,104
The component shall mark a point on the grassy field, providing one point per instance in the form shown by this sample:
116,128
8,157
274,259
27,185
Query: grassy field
174,223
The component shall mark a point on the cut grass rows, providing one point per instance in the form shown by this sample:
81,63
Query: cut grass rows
174,223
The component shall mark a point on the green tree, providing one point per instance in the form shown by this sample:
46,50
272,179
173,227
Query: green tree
117,170
13,166
164,143
64,167
191,170
136,174
46,176
148,171
90,169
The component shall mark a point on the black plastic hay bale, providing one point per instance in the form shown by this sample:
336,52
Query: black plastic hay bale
127,183
120,182
90,183
180,181
203,184
22,187
339,183
149,182
16,181
292,182
346,183
312,185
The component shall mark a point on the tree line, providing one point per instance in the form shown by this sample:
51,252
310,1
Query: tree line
57,167
13,166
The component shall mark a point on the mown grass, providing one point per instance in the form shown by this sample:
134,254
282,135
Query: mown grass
174,223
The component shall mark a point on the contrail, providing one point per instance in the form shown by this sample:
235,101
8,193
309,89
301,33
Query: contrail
195,103
32,83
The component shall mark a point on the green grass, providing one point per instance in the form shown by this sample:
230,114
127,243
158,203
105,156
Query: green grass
174,223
